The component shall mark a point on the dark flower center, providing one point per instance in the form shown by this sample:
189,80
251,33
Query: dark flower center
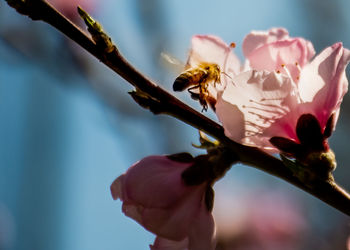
312,148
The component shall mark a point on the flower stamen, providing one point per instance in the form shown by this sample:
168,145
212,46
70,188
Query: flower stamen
274,107
229,49
296,89
265,112
297,65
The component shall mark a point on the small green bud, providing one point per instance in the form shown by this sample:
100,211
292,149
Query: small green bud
325,161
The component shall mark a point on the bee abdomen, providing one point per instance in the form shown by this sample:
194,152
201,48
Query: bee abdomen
181,82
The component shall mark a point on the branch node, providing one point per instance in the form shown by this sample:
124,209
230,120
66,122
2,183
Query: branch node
146,101
102,40
308,175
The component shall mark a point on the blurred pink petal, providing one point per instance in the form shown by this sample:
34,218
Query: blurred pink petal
69,7
201,236
154,194
165,244
267,219
278,217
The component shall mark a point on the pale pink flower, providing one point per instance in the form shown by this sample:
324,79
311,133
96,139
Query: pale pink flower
154,194
281,90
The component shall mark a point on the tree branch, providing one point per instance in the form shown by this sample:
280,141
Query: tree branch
158,101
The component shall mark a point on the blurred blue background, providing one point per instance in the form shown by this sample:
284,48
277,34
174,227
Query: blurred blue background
68,128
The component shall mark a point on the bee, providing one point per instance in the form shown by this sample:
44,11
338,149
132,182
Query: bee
196,80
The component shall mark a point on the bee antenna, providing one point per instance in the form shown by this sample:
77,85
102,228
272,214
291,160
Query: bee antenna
226,75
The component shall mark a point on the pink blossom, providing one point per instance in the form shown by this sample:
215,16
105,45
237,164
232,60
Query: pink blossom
155,195
69,7
281,94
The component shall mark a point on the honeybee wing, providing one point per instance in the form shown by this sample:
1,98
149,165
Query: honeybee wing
172,63
193,59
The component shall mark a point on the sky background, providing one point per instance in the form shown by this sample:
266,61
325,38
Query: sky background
68,127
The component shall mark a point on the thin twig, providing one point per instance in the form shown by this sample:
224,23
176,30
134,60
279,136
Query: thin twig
160,101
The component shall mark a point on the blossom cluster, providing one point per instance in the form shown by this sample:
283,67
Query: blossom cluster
282,99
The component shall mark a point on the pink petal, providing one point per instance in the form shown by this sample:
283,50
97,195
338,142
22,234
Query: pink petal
256,39
174,222
285,126
272,56
251,103
201,235
211,49
116,188
324,82
154,194
160,176
277,223
165,244
69,7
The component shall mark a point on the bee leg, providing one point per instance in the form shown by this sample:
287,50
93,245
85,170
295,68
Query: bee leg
217,80
201,97
214,82
194,96
203,94
204,104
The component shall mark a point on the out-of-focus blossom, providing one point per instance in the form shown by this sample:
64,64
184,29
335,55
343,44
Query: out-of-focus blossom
279,93
267,220
69,7
155,195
